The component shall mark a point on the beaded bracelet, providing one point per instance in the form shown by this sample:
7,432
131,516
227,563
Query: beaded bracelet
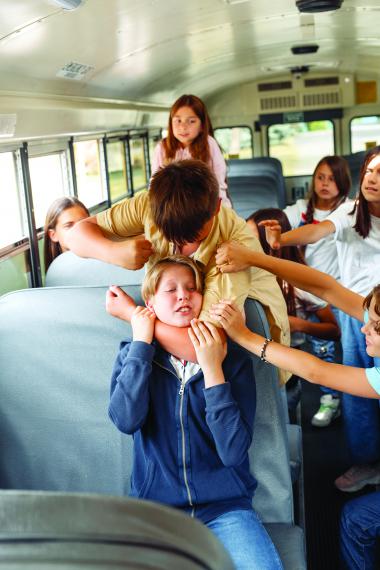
264,348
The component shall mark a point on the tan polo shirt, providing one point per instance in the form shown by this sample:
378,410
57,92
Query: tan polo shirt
132,217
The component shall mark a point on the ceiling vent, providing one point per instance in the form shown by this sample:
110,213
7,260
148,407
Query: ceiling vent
75,70
305,49
313,6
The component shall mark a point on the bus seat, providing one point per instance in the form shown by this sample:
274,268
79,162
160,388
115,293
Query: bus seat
263,166
83,532
253,192
69,269
57,348
355,161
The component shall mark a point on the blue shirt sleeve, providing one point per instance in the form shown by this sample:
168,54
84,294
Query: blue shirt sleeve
230,412
129,401
373,377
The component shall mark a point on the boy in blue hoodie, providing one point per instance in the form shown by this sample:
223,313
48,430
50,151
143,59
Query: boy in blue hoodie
192,423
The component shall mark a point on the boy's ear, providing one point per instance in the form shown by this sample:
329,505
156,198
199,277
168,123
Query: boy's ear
149,304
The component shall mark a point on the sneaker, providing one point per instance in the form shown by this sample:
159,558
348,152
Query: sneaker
358,477
328,411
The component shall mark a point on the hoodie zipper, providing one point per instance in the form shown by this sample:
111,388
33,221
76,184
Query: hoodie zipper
181,393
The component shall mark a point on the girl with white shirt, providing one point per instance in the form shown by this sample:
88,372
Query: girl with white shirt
360,519
356,230
330,186
190,135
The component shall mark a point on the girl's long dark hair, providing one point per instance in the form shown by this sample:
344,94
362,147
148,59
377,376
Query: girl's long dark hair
363,217
289,252
199,148
342,177
51,248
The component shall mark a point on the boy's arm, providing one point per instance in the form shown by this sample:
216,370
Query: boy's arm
92,237
173,339
129,401
233,257
336,376
230,420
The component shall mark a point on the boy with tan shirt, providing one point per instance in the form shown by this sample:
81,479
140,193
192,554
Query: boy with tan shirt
181,213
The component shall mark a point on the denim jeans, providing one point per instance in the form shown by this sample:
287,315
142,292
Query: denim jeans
324,349
361,416
246,540
359,527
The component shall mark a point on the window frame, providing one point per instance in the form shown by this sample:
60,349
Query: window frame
237,127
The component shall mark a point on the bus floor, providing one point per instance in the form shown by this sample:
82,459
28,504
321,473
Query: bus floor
325,457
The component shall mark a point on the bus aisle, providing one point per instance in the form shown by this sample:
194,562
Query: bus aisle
325,457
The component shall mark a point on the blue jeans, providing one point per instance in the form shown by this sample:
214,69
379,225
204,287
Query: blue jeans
324,349
359,527
361,416
246,541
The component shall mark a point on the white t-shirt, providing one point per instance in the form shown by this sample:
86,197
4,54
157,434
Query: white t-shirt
321,255
358,258
306,303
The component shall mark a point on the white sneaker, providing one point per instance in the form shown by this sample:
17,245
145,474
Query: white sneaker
328,411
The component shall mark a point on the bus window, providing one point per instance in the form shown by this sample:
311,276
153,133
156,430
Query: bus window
138,164
48,176
91,187
117,170
299,146
235,142
364,133
153,141
12,228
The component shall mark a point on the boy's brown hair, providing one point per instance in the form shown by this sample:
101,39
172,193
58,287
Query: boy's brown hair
183,197
154,274
374,294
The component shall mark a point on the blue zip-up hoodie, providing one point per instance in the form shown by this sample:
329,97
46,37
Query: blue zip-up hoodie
190,443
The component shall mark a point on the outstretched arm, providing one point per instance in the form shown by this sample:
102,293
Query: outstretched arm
87,239
336,376
233,257
173,339
309,233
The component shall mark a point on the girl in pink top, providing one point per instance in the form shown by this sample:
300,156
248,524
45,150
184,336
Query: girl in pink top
190,135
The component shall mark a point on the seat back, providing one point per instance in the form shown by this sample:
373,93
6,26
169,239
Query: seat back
57,348
85,532
264,167
355,161
269,452
253,192
69,269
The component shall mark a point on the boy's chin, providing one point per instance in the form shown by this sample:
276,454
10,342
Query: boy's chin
178,321
371,352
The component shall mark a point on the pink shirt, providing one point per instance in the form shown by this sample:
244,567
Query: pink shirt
217,164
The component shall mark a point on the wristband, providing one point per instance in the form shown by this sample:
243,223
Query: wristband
263,350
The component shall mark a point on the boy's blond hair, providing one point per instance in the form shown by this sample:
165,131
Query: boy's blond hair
154,274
